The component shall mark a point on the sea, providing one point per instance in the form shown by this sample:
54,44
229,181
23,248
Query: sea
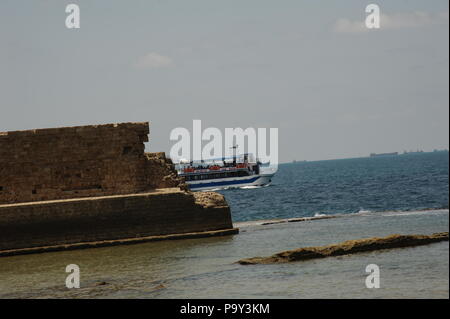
307,204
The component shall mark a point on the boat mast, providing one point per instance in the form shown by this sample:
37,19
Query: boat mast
234,153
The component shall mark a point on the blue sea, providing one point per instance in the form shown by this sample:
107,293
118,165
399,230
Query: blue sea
365,197
376,184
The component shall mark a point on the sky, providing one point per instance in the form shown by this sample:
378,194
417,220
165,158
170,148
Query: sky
332,87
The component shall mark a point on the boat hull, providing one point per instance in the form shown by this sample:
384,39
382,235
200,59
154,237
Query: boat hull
233,182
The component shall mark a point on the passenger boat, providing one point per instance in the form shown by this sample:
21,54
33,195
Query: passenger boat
232,172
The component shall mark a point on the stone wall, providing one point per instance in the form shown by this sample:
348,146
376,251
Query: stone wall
82,161
169,211
161,173
65,186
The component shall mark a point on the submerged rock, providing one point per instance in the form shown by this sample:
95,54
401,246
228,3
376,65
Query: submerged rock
101,283
348,247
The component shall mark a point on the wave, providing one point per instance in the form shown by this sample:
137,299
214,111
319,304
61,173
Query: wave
231,188
263,222
320,216
253,186
323,214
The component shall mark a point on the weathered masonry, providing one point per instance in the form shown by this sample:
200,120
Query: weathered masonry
77,162
82,184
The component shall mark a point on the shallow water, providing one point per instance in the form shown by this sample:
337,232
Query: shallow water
206,268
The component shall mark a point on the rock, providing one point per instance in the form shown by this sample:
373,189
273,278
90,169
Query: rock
101,283
160,286
348,247
210,199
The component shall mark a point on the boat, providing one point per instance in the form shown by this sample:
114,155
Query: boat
413,152
231,172
383,154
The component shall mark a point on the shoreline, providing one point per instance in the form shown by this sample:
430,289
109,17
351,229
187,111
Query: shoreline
266,222
192,235
116,242
348,247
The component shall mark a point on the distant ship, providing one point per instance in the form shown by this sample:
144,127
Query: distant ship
383,154
413,152
232,172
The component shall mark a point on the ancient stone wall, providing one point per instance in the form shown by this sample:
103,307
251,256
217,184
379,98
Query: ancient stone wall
161,172
64,222
66,186
75,162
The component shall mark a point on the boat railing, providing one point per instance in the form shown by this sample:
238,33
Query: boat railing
213,169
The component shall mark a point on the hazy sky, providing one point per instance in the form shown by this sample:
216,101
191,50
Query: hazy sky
333,88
